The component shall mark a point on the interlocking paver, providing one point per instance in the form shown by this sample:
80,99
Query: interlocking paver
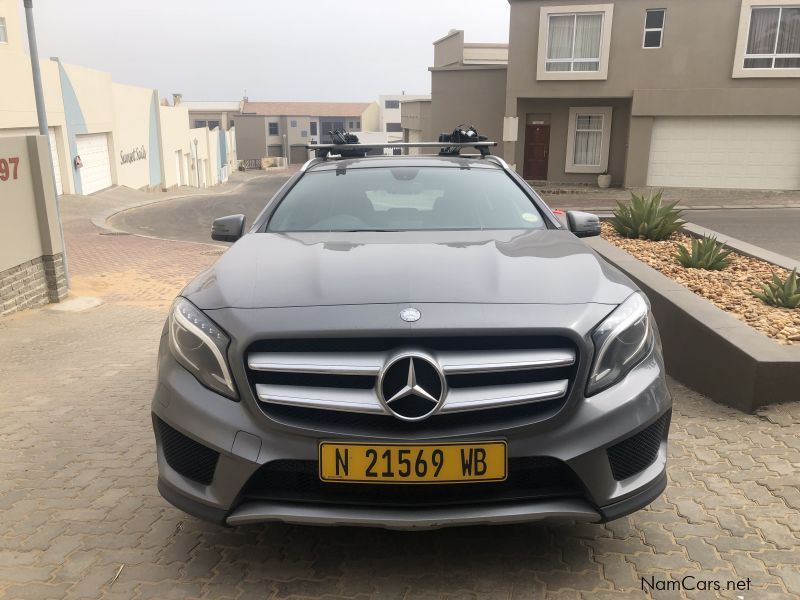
78,497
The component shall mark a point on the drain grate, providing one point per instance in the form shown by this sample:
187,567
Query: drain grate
213,252
114,233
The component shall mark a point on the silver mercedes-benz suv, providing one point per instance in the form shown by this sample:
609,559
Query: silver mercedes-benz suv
410,342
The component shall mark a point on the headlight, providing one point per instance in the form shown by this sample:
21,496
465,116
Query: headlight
621,341
199,345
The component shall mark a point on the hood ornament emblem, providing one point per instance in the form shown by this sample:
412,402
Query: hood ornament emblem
410,315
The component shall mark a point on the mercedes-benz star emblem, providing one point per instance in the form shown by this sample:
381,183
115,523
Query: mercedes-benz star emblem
412,387
410,315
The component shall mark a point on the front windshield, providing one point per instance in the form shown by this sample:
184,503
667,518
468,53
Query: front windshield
405,198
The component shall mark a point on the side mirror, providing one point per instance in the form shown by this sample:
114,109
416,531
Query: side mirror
227,229
583,224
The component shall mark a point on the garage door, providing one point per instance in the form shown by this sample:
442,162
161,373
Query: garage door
56,164
725,152
96,169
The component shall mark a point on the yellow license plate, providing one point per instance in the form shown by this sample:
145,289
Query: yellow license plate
413,463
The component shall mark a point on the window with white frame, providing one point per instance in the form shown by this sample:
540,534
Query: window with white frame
589,135
588,140
573,42
654,28
3,32
773,40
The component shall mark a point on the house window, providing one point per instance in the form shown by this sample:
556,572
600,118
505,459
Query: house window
358,124
3,32
304,133
394,127
313,128
654,28
293,123
199,123
392,104
351,124
213,124
231,125
574,41
773,40
588,139
273,129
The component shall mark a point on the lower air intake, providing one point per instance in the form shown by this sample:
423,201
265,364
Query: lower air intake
635,454
189,458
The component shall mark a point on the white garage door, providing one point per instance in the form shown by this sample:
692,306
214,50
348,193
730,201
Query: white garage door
96,169
56,164
725,152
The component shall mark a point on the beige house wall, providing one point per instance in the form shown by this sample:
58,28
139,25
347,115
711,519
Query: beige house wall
131,133
175,138
469,95
371,118
17,102
698,51
251,136
9,10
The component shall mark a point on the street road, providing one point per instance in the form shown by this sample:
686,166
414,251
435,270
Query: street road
189,218
774,229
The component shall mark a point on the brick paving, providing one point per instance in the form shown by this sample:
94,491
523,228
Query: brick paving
78,498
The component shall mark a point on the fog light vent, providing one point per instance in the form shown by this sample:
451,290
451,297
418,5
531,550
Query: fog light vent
638,452
189,458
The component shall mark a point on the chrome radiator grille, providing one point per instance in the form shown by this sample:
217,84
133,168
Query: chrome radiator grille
482,373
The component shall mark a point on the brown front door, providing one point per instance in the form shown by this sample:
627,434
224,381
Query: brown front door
537,147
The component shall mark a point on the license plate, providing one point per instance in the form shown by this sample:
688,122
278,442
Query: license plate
412,463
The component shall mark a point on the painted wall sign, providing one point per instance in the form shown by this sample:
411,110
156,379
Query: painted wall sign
8,168
132,156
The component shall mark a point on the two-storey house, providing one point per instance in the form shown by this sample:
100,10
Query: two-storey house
688,93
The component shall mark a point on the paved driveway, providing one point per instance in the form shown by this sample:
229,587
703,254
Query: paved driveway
774,229
81,518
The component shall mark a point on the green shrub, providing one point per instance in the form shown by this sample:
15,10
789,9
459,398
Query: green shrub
707,253
784,294
646,218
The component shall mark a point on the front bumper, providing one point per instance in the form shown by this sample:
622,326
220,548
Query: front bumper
245,440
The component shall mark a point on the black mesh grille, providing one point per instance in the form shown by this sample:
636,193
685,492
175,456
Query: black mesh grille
638,452
189,458
354,423
298,481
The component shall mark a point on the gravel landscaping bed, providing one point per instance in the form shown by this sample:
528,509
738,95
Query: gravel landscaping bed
729,289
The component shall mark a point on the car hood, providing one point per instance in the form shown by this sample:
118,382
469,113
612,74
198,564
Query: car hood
270,270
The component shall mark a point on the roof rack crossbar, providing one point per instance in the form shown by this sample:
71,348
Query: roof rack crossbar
324,150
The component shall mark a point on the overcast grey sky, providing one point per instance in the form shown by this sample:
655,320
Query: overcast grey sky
348,50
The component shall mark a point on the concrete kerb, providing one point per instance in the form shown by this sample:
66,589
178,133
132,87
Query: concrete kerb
707,348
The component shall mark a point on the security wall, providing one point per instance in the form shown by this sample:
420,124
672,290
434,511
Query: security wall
31,250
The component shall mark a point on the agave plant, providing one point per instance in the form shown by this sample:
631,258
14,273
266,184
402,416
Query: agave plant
646,218
784,294
707,253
